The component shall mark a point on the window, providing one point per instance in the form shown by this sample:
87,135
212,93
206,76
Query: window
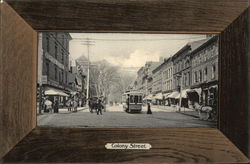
200,59
213,71
200,72
55,51
187,63
185,80
60,78
205,74
66,78
63,40
55,72
62,56
47,68
131,99
196,77
140,99
47,42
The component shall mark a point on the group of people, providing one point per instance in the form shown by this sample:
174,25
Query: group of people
51,107
96,104
72,105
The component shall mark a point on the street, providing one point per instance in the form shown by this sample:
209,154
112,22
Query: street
114,116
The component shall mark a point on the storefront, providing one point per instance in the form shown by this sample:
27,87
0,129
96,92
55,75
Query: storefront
172,97
166,100
54,94
159,98
194,95
209,94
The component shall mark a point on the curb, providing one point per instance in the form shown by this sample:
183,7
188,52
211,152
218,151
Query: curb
189,114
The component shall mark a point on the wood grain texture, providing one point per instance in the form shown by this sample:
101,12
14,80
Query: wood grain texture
234,82
178,16
169,145
18,78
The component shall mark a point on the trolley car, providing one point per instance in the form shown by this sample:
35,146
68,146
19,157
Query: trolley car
132,101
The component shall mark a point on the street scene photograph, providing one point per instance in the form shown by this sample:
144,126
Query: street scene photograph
127,80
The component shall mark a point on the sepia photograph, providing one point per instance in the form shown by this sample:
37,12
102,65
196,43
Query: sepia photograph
127,80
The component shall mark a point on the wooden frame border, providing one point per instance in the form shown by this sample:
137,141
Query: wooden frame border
21,20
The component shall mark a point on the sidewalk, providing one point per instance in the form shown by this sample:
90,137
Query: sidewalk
189,112
185,111
65,110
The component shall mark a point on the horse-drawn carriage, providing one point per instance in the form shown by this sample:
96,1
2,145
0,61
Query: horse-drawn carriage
95,103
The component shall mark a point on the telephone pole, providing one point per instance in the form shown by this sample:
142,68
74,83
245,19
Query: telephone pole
88,42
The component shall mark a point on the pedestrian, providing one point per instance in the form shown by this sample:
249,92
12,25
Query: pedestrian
99,107
56,106
149,108
69,104
75,105
48,105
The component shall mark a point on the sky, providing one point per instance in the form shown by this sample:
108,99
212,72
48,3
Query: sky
129,49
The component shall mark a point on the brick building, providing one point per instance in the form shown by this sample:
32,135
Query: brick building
205,71
53,65
163,80
148,76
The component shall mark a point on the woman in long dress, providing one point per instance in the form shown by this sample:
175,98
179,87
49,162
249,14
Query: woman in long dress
149,108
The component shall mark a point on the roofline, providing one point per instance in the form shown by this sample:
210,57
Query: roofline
211,40
161,65
180,51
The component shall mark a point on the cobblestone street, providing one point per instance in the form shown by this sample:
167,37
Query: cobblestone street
116,117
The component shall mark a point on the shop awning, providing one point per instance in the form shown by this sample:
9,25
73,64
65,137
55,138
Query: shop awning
55,92
184,93
173,95
148,97
198,90
158,96
166,94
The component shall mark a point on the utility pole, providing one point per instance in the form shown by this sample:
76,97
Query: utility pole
88,42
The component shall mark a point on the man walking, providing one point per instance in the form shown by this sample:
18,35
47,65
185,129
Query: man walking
99,106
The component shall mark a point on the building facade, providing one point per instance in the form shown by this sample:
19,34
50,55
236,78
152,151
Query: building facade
167,74
55,60
191,71
205,71
148,75
163,80
55,74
